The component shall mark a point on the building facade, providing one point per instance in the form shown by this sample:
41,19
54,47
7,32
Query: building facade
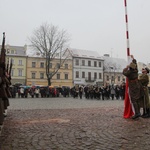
113,68
87,67
64,75
82,67
36,71
17,54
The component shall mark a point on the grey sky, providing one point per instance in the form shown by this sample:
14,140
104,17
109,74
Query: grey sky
97,25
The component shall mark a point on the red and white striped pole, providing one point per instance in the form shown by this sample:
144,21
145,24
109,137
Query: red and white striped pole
128,109
127,30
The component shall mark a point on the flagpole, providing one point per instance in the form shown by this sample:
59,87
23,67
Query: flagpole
128,111
127,29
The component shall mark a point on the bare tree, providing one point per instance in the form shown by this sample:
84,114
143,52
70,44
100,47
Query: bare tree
50,42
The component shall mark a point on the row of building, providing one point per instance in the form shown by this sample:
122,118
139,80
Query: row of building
82,67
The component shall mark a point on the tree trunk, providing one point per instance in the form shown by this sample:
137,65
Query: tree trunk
49,81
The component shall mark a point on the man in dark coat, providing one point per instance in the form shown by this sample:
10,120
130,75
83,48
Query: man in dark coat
131,72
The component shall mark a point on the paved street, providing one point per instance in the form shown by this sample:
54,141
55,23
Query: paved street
72,124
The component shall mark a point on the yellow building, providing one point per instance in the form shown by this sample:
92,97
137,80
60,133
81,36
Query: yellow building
64,75
36,72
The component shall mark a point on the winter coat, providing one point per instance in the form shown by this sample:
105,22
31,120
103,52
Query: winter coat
134,84
144,79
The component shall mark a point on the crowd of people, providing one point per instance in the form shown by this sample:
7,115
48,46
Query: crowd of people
109,91
34,92
78,91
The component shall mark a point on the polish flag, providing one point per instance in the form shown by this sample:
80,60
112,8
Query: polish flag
128,107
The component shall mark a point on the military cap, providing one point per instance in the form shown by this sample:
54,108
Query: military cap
147,69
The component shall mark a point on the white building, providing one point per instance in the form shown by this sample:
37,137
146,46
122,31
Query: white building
87,67
113,68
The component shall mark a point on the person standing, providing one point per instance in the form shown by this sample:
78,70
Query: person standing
131,72
37,91
144,79
112,91
80,92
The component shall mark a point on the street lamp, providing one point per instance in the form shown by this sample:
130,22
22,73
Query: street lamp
111,69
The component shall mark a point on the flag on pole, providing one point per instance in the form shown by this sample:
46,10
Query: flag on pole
128,109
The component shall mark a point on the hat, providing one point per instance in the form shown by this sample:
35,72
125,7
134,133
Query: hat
147,69
133,65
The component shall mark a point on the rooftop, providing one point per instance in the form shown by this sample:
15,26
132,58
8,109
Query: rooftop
115,64
85,53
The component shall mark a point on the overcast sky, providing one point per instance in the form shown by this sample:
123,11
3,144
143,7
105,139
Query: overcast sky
96,25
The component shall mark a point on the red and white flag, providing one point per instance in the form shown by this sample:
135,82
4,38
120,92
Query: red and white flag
128,108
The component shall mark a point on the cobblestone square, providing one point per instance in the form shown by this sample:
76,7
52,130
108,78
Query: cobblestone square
72,124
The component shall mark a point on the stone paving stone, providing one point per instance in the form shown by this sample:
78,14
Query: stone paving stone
100,127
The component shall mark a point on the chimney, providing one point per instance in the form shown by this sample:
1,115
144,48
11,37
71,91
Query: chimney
106,55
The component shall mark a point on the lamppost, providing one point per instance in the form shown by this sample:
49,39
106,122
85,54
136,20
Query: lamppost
111,77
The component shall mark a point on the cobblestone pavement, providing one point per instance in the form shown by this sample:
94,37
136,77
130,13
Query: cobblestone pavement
72,124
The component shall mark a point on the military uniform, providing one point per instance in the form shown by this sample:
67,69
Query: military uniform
131,73
145,103
1,107
4,83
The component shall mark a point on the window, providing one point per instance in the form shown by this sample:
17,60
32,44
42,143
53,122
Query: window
20,62
83,74
50,65
77,62
42,65
95,75
100,64
107,78
58,76
13,62
119,78
19,72
83,62
12,72
89,63
33,64
112,78
66,76
58,65
95,63
12,52
77,74
8,51
33,75
66,66
89,75
41,75
100,75
57,54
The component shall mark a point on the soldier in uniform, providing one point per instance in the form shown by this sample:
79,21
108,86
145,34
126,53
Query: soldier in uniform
144,79
6,84
5,79
1,106
131,72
